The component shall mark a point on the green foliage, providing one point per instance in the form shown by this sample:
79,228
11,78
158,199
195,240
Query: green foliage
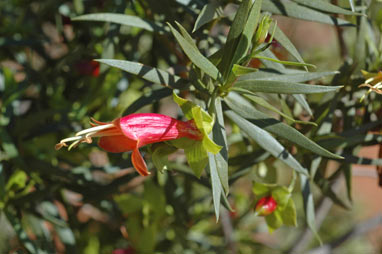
254,108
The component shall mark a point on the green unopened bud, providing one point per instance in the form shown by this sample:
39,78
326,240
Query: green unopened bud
262,30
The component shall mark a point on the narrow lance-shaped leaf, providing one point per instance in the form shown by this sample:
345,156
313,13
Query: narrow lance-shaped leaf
148,98
287,44
309,205
239,70
326,7
216,184
292,77
195,56
233,37
269,64
209,12
351,2
294,10
148,73
219,136
186,36
270,86
123,19
245,41
262,102
266,141
272,125
300,98
284,62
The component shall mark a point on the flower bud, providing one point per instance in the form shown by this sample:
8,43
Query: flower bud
262,30
265,206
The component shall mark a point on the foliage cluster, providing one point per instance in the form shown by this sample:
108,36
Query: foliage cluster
277,122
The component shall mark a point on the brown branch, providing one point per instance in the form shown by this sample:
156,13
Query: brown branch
228,230
358,230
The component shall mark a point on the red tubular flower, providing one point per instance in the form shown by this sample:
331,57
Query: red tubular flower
265,206
131,132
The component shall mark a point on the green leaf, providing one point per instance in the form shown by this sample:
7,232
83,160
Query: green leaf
209,12
351,2
219,136
309,205
282,196
274,221
239,70
160,154
262,102
148,98
326,7
17,181
266,141
123,19
197,157
284,62
270,86
348,180
195,56
294,10
216,184
148,73
292,77
246,37
233,38
270,64
288,214
300,98
2,188
287,44
185,105
272,125
186,36
261,189
203,121
360,52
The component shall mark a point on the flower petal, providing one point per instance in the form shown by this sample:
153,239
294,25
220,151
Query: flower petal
139,163
117,144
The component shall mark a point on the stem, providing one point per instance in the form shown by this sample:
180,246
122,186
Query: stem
343,49
322,210
228,230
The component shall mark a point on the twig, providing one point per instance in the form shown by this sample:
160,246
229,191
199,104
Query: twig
323,209
228,230
341,41
358,230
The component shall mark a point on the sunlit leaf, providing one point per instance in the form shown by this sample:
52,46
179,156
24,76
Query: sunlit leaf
123,19
266,141
272,125
195,56
209,12
294,10
326,7
148,73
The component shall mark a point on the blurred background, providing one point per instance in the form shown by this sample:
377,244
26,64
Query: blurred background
89,201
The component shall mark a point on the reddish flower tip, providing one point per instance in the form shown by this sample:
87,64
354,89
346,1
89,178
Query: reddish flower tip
129,250
265,206
89,68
